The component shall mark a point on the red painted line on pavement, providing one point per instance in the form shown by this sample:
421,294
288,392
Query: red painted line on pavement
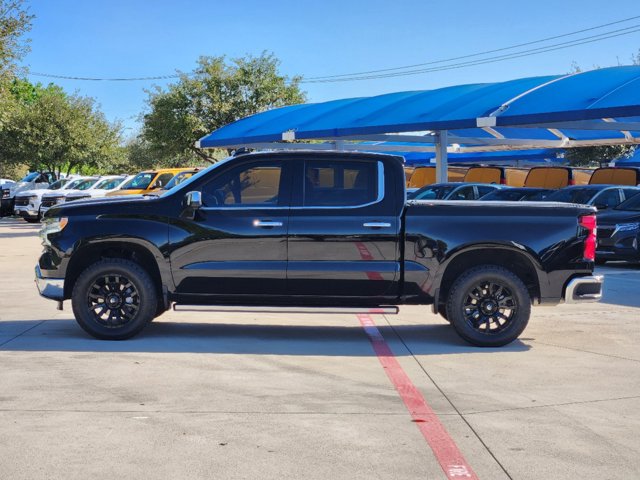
444,448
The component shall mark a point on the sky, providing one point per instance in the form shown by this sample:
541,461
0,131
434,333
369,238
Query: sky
133,38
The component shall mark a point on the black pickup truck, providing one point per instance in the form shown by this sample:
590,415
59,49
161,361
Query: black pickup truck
314,229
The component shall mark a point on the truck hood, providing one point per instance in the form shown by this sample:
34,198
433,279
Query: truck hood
19,187
33,193
104,201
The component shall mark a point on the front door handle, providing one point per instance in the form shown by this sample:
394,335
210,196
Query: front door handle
266,224
376,225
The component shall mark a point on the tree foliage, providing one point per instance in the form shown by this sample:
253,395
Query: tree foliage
597,156
52,130
15,21
216,93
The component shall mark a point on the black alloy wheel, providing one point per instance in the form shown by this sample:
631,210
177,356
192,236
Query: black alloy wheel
489,306
114,299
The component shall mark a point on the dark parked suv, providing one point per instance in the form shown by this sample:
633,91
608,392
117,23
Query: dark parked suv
619,232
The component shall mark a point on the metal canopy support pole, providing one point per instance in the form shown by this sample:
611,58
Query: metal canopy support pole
441,156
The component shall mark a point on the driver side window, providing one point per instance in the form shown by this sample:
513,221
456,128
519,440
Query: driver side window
248,185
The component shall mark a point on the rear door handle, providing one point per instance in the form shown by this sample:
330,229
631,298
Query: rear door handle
376,225
266,224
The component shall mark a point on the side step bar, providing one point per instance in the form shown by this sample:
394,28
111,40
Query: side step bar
384,310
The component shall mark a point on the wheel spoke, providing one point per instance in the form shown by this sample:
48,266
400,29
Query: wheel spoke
489,307
113,300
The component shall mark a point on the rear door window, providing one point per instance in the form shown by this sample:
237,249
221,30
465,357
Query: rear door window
608,198
340,183
630,192
483,190
464,193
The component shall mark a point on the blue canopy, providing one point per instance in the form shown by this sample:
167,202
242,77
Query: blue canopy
588,108
632,161
520,158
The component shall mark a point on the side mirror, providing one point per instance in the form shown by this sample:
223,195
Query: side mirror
193,200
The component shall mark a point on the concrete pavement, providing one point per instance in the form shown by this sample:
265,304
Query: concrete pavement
272,396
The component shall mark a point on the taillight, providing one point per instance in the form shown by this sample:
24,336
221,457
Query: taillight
589,223
503,181
572,181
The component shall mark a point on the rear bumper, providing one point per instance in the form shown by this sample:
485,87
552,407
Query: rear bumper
51,288
584,289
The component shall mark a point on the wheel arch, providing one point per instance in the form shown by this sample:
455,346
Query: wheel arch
136,250
518,261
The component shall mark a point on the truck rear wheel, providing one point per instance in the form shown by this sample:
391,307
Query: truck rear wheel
489,306
114,299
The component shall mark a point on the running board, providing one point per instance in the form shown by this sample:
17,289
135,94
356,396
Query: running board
386,310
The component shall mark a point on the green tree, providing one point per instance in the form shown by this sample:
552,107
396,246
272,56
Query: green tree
15,21
596,156
216,93
59,132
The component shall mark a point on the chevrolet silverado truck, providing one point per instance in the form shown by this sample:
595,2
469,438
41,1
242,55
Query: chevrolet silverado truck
316,230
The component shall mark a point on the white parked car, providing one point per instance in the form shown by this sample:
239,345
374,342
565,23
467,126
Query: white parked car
32,181
27,203
105,185
59,196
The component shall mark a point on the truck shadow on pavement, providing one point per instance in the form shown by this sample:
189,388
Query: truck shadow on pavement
224,338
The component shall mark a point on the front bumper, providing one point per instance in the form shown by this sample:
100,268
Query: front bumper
584,289
51,288
6,206
26,211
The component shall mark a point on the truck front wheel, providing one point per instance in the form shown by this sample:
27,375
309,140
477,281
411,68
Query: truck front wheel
114,299
489,306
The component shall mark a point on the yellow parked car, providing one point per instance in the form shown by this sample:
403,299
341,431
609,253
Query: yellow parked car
148,181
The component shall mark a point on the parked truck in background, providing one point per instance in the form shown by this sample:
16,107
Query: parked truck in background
315,229
32,181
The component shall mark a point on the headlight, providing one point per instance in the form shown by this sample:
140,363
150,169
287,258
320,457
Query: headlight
626,227
51,226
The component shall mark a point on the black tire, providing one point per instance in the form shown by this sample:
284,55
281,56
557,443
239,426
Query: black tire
120,289
489,306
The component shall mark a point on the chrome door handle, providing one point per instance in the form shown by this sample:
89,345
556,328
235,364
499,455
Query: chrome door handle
266,224
376,225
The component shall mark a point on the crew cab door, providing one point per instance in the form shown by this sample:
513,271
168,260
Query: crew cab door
344,226
236,242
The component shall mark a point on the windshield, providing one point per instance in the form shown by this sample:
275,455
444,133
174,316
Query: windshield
632,204
434,192
573,195
72,184
108,183
178,179
58,184
30,177
86,184
140,182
